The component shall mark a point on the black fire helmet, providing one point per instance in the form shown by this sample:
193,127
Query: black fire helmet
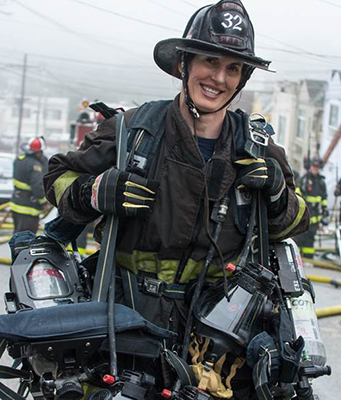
222,29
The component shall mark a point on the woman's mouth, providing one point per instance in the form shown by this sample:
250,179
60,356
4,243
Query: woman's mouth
210,91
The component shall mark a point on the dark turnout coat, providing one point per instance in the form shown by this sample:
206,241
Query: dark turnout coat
28,196
158,242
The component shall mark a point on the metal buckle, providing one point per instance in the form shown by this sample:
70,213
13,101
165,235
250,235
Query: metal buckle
152,286
257,129
39,252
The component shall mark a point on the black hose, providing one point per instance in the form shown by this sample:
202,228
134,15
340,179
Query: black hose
249,232
111,323
201,279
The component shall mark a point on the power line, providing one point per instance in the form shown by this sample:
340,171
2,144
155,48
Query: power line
60,81
78,86
97,63
38,78
45,17
330,3
69,77
76,33
303,52
168,8
290,46
296,52
190,4
124,16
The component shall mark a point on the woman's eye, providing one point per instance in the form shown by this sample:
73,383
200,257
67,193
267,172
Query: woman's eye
234,69
211,60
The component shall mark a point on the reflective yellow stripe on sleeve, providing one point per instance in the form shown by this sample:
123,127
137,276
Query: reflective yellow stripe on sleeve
302,207
63,182
21,185
324,203
298,191
313,199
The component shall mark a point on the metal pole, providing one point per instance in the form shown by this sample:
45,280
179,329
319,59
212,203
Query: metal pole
38,116
21,104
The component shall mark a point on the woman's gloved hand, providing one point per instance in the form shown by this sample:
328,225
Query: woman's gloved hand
262,173
122,193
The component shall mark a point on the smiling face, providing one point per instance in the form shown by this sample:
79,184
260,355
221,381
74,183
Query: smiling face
213,80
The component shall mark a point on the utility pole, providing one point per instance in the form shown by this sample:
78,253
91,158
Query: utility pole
38,116
21,104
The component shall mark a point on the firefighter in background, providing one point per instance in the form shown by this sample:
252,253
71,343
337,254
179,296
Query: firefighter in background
337,193
312,188
28,200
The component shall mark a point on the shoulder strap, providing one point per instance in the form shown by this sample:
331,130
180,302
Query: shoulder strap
243,142
145,126
146,129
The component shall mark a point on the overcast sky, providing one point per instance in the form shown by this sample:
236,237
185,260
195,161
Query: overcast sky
93,48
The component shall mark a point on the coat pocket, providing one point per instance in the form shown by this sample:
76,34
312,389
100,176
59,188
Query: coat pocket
176,207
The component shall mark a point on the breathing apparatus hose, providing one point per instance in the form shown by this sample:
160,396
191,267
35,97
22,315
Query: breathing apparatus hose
223,208
262,216
249,232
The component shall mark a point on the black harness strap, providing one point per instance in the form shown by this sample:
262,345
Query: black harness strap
260,377
8,394
3,345
130,288
10,373
106,261
182,369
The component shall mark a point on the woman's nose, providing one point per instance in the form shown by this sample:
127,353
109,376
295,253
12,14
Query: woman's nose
219,75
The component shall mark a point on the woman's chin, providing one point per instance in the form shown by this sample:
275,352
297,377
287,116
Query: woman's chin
209,108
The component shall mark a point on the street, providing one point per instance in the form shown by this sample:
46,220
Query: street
327,387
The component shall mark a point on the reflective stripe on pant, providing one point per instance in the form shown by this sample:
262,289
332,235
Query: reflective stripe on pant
307,252
305,241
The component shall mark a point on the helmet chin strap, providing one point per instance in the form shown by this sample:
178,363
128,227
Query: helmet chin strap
193,109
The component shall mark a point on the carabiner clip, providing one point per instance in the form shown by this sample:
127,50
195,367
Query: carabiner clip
257,129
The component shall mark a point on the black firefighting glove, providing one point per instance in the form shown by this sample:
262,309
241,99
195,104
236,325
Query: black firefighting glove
264,174
122,193
325,216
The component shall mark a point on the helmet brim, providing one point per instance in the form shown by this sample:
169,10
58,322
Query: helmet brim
165,54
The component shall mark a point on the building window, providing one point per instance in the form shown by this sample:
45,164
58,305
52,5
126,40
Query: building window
53,114
333,115
281,129
301,123
26,112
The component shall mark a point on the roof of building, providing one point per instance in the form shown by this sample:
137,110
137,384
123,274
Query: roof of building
335,71
316,90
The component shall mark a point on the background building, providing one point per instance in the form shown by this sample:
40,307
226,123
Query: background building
331,127
297,116
42,116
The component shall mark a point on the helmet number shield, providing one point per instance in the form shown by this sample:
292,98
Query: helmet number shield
228,23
